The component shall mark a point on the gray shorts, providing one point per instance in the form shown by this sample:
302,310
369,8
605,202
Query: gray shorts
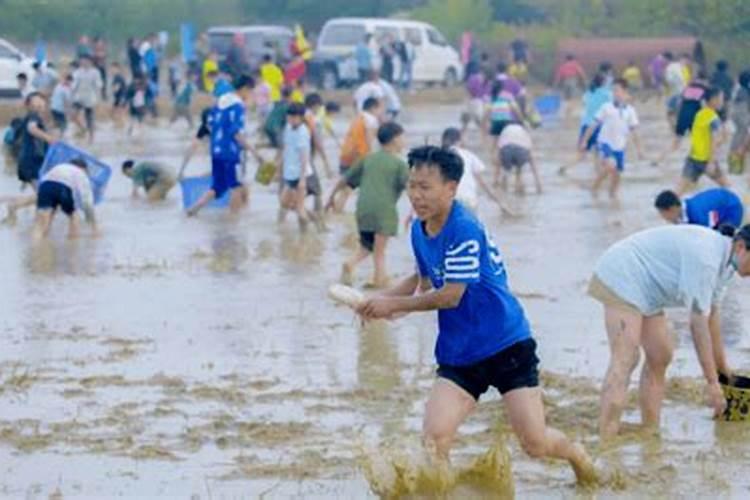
694,169
514,156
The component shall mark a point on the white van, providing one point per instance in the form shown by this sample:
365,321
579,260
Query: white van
435,60
12,62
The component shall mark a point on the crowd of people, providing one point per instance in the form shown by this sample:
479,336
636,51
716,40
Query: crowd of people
484,335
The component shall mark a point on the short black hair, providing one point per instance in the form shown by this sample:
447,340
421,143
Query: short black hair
711,92
333,107
36,65
744,79
370,103
22,76
244,81
286,92
497,87
267,58
389,131
451,137
34,94
622,83
312,100
502,67
79,162
666,200
127,165
722,65
742,235
668,55
296,109
450,164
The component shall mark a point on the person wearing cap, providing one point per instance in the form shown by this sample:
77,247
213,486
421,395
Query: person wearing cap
711,208
636,280
66,187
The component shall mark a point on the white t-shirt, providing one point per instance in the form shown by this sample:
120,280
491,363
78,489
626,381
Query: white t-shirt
515,134
87,86
617,122
468,189
392,101
367,90
77,180
669,266
675,78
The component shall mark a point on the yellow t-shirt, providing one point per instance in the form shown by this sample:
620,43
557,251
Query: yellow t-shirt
297,96
705,125
209,66
632,75
274,77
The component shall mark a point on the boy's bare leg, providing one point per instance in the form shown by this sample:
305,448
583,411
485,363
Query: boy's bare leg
42,224
74,227
204,200
526,413
381,275
447,408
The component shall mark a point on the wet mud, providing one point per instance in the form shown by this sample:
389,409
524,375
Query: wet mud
201,357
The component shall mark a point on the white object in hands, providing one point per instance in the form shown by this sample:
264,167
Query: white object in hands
346,295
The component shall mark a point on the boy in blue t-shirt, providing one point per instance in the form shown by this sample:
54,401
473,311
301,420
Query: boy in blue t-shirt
227,142
484,338
711,208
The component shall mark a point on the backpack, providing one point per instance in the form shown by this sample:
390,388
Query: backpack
13,132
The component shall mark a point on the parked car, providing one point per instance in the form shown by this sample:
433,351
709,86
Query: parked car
258,41
12,62
333,64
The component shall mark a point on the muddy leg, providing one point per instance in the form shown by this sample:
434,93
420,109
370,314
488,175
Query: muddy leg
624,333
658,347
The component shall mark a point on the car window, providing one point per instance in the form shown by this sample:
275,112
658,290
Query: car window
436,38
382,31
6,53
220,42
414,35
343,34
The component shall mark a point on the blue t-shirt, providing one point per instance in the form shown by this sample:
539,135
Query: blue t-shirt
363,56
296,142
592,102
714,207
227,120
489,318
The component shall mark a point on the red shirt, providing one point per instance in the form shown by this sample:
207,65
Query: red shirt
294,70
569,69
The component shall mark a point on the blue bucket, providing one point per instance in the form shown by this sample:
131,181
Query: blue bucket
195,187
98,172
548,105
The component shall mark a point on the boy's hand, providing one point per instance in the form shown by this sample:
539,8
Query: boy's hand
377,308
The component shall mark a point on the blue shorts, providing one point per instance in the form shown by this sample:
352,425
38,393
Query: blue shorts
607,153
592,140
224,176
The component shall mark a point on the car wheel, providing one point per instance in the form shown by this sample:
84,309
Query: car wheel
451,78
329,80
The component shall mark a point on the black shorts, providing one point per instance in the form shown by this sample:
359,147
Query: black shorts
88,113
693,170
53,195
496,127
367,240
60,120
292,184
512,368
273,138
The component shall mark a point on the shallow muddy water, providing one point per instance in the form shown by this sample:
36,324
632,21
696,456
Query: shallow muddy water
201,357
